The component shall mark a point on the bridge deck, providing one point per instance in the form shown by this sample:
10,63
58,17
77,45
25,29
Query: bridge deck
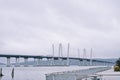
49,57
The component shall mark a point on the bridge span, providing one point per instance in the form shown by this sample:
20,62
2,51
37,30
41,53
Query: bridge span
53,61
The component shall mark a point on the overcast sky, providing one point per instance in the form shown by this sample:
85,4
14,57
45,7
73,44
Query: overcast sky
32,26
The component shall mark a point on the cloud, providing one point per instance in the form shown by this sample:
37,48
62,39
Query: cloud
30,27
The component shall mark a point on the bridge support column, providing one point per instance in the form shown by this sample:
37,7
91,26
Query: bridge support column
79,63
8,61
39,61
91,63
49,61
17,62
36,61
53,62
25,62
68,62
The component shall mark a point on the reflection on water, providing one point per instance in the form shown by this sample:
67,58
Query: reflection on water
12,74
38,73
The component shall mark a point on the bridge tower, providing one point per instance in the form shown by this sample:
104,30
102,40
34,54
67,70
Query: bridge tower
68,63
91,57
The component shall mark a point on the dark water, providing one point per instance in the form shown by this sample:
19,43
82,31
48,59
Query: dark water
38,73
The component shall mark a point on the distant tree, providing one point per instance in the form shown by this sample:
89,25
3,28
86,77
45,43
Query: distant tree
118,62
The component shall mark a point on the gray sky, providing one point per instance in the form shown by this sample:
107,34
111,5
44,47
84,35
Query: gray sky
31,26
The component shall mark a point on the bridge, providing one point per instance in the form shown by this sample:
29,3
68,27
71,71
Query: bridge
54,60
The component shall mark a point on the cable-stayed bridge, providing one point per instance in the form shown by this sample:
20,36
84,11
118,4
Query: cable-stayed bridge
54,60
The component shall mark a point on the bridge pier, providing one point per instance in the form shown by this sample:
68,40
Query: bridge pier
60,61
17,62
48,60
80,62
68,61
91,62
8,61
83,62
53,62
35,62
39,61
26,62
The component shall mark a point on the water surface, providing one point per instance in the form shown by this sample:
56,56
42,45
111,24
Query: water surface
38,73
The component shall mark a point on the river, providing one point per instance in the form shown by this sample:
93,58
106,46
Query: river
38,73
